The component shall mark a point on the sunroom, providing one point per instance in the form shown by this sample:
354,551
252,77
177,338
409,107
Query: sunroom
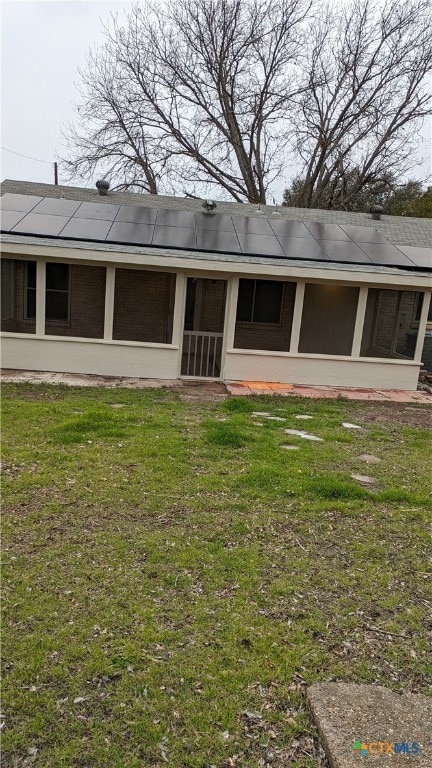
82,305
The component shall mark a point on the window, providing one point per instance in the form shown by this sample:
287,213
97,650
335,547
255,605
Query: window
57,291
260,301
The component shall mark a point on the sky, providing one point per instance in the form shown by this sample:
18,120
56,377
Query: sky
43,44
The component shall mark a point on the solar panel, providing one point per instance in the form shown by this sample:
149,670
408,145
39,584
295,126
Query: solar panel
214,221
302,248
286,228
57,207
422,257
174,237
342,251
12,202
326,231
135,215
261,245
212,240
10,218
251,235
97,211
131,233
364,234
86,229
252,226
386,255
167,218
40,224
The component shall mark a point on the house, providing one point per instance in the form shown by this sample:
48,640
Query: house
126,284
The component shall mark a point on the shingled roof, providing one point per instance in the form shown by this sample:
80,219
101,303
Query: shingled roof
398,230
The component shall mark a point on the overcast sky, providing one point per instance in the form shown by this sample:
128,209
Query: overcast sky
43,44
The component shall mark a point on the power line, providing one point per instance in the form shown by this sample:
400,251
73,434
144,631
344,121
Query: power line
26,156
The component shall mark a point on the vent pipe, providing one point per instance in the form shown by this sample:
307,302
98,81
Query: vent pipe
102,186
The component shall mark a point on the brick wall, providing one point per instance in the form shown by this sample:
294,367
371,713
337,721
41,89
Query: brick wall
328,319
87,305
144,305
275,338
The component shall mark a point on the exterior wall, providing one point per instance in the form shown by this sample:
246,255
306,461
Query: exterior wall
328,319
143,305
87,304
266,336
81,356
316,371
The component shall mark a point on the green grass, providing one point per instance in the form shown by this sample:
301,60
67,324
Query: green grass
173,578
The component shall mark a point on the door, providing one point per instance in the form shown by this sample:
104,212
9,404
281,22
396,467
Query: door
204,328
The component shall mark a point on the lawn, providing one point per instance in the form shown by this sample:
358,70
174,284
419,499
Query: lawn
173,578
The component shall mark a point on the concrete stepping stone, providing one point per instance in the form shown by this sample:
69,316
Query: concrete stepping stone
265,415
348,425
304,435
372,722
364,479
303,416
290,447
369,458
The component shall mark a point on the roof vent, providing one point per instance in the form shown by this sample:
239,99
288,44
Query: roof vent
209,206
376,211
103,186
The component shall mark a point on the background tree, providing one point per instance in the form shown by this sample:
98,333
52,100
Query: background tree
365,97
409,199
218,96
191,93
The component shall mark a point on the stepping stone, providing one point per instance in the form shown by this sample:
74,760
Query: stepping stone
365,479
348,425
304,435
369,458
290,447
266,415
304,416
118,405
275,418
373,722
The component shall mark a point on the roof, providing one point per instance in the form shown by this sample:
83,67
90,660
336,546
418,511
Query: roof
179,223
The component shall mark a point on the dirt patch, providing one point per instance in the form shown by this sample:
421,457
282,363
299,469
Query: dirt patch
416,417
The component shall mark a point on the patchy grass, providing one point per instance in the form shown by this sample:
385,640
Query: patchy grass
173,578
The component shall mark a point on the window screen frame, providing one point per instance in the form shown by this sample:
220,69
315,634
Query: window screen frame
252,321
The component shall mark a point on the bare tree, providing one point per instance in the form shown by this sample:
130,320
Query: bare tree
364,101
214,95
194,93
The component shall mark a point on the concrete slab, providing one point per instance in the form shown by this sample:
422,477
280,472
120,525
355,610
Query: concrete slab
386,728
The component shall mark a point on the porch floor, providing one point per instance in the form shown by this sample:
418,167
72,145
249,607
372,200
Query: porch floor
217,389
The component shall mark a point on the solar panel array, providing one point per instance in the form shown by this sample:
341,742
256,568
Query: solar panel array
164,228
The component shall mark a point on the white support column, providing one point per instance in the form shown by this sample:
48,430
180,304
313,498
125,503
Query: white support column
297,317
359,322
230,319
40,297
422,326
179,309
109,303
